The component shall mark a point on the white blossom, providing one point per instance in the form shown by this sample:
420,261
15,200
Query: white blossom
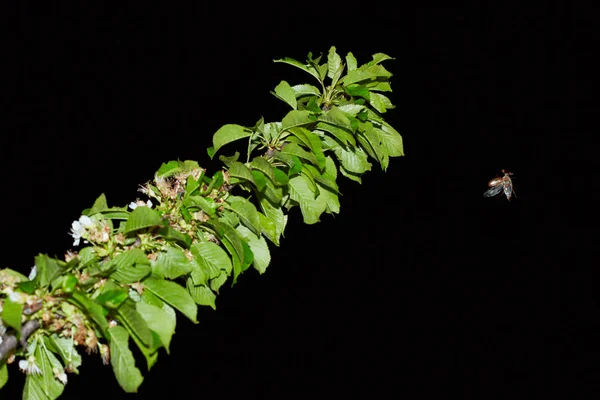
17,297
33,273
60,375
139,203
29,366
78,228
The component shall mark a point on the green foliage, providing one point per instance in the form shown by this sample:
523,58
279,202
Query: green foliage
174,251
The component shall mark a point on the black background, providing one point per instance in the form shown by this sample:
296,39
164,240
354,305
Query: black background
421,286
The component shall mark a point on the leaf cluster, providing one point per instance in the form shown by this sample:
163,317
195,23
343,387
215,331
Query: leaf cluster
139,265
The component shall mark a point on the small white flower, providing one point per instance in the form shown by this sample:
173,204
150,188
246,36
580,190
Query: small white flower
139,203
86,221
78,228
60,375
112,323
29,367
33,273
17,297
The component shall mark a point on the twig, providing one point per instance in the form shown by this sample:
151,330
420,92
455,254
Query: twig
9,341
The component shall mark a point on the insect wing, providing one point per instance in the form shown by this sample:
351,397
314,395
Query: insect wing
494,190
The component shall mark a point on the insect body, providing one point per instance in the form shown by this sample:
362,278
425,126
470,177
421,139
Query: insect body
500,184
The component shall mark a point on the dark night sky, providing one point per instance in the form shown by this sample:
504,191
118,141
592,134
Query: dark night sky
420,286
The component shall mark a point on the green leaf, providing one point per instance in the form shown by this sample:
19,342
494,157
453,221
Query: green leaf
246,211
240,171
228,235
261,164
306,68
172,234
43,385
211,259
380,102
335,117
379,57
112,298
12,313
130,266
65,348
343,135
358,91
48,269
310,206
201,294
284,92
206,204
366,73
354,160
176,167
93,309
174,295
276,215
134,322
390,138
350,62
259,179
229,133
280,177
121,358
335,67
303,90
142,217
296,118
295,150
171,263
259,247
159,320
3,375
330,198
268,228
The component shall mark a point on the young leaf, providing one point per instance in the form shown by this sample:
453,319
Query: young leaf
12,314
140,218
121,358
259,247
284,92
306,68
350,62
227,134
259,179
335,67
159,320
174,295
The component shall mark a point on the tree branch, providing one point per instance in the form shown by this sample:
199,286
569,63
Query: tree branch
9,341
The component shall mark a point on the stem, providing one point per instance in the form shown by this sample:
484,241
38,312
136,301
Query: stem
9,342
